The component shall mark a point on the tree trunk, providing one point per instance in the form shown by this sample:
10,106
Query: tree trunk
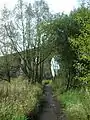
8,76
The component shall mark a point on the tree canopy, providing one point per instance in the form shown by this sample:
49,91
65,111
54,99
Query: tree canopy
35,35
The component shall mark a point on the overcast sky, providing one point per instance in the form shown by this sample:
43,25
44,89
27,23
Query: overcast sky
55,5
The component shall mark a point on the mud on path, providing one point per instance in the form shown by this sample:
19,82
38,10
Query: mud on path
51,108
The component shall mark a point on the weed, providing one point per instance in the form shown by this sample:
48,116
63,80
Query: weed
17,98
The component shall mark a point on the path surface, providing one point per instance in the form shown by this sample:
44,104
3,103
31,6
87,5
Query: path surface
52,109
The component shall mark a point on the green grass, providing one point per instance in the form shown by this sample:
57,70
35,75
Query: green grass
73,105
17,98
76,102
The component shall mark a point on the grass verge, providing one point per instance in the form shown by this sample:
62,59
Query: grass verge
76,102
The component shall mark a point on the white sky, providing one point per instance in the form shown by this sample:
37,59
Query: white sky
55,5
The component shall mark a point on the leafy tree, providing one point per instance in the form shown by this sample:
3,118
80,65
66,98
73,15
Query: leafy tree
81,44
26,38
70,35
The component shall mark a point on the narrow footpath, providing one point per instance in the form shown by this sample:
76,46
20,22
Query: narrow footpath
52,109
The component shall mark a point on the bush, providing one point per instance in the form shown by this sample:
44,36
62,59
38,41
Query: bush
45,82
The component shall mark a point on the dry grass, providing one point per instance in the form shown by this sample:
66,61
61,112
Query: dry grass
17,98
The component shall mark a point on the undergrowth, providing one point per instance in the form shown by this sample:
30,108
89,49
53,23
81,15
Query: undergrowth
45,82
76,102
17,98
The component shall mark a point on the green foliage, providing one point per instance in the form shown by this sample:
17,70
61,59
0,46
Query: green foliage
70,38
70,35
17,99
76,104
58,85
44,82
81,44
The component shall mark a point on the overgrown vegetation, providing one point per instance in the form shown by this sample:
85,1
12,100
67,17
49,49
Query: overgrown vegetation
18,98
72,41
76,104
29,36
45,82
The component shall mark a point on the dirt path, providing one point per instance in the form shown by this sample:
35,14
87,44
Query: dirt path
52,109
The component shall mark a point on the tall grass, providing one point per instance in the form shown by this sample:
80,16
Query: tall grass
76,102
17,98
73,105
